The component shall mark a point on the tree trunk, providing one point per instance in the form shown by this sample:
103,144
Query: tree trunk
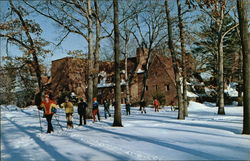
221,110
176,69
183,53
117,115
90,60
240,98
145,75
245,42
126,70
219,23
97,49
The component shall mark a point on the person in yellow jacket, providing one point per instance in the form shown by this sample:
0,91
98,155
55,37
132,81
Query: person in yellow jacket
69,110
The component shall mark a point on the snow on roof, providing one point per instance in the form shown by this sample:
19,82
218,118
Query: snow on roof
231,89
191,94
140,71
103,85
209,91
206,75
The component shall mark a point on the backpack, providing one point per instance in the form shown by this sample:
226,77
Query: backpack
54,110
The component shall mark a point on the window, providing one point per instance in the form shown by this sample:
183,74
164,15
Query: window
156,87
167,87
146,88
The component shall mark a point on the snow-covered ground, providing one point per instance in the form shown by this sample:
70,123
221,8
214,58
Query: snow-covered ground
153,136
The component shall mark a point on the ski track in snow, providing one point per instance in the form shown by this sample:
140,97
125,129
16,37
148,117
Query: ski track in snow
151,136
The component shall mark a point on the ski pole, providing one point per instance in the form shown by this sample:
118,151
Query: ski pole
57,119
40,120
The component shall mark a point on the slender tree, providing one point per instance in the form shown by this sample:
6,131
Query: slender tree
243,9
183,55
181,114
117,115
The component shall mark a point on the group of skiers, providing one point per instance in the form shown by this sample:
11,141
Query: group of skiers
49,107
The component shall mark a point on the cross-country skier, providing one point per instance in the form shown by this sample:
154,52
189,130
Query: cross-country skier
69,110
82,105
106,109
156,105
95,110
47,106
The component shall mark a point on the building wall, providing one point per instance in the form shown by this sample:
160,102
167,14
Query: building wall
160,81
70,74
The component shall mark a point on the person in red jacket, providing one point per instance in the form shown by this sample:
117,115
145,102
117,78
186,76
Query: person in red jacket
156,105
47,106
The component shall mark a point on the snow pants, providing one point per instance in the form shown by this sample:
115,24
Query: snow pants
82,116
106,112
95,112
49,118
69,117
128,110
156,108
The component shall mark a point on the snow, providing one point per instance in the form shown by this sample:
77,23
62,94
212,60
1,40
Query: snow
204,135
231,89
140,71
191,94
206,75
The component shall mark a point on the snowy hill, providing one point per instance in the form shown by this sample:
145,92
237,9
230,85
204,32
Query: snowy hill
153,136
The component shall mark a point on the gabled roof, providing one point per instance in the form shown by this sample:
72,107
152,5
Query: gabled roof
167,64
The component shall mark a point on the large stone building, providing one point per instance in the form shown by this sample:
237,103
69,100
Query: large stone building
71,74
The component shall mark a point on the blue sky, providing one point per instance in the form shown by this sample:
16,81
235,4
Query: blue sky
50,33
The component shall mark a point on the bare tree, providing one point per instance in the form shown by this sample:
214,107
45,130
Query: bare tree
149,33
181,114
243,7
20,31
216,10
75,17
117,115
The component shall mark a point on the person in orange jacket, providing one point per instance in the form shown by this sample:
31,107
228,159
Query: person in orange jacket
95,110
48,106
156,105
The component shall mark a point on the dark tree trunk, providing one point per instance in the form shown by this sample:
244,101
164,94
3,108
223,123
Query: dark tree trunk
90,60
245,42
176,69
145,74
183,53
240,98
117,115
97,49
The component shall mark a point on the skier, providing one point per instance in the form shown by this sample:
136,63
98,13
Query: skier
82,105
128,105
69,110
106,109
142,106
48,106
156,105
95,110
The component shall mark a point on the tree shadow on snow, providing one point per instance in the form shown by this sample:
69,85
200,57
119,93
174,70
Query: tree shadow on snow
50,150
200,154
